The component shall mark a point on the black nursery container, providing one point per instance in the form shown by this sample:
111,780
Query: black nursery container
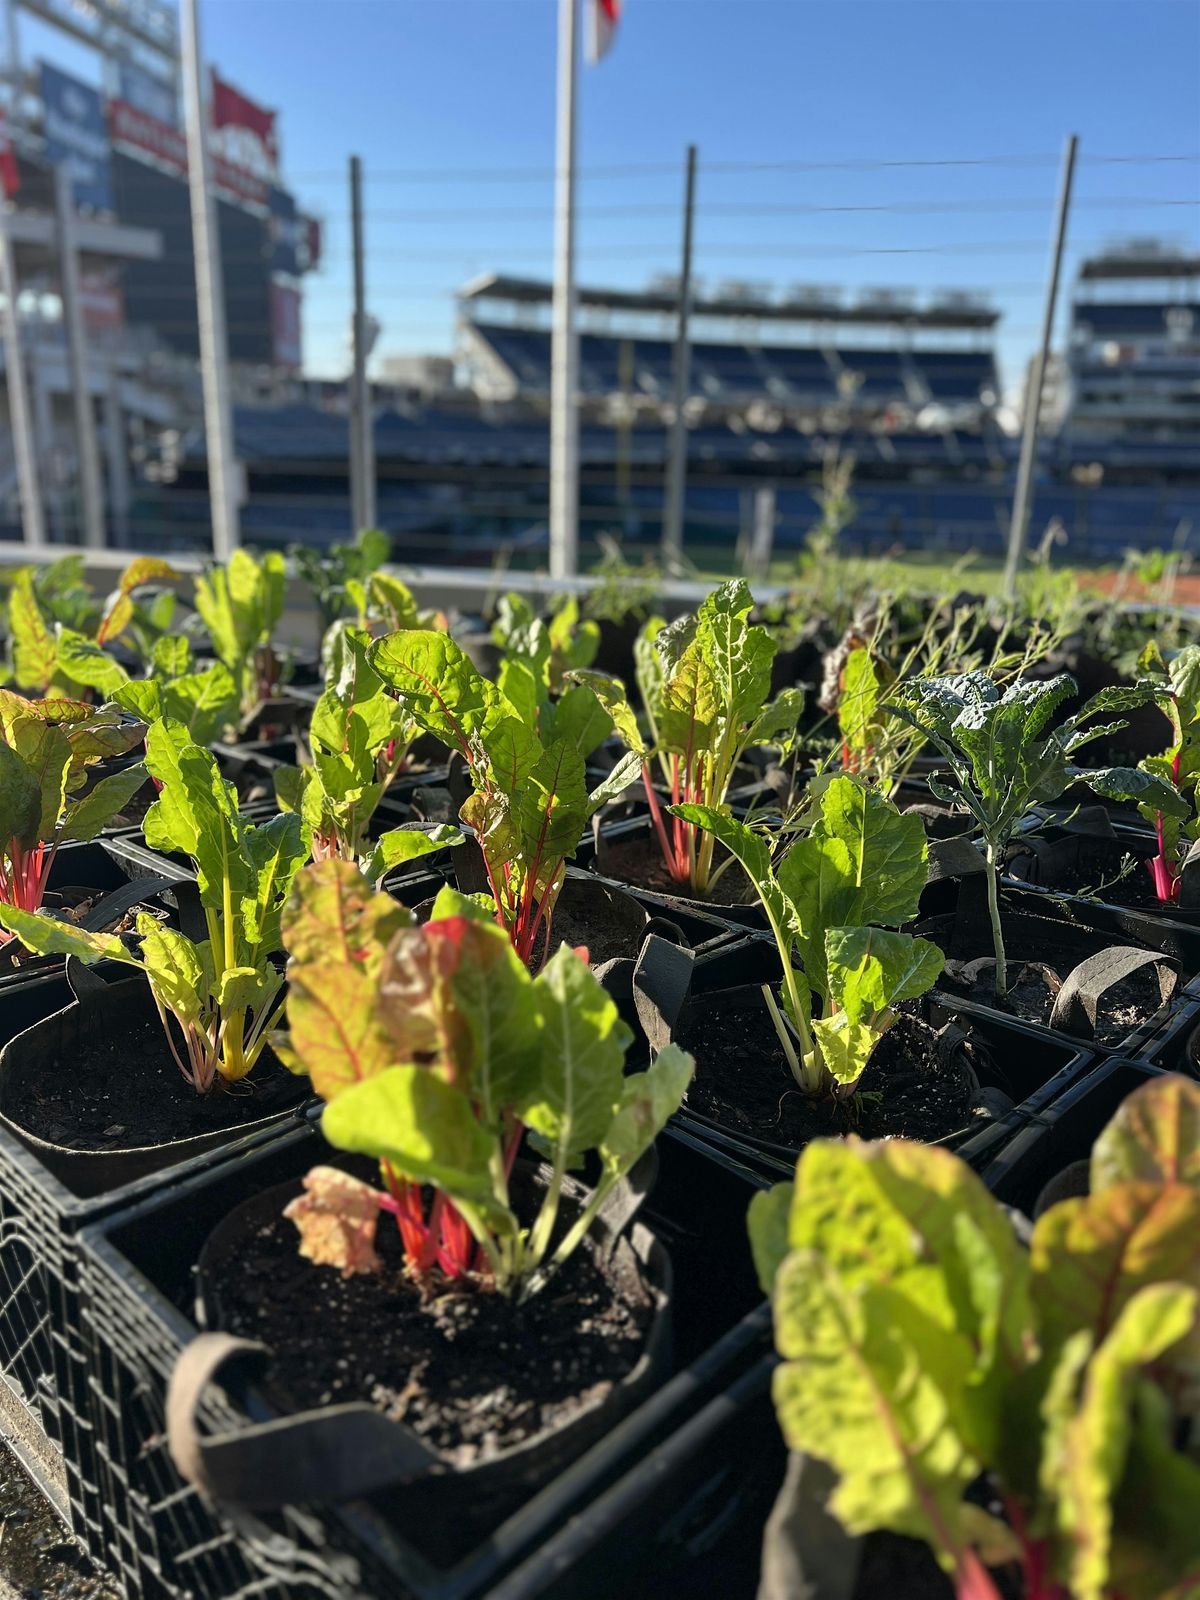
165,1539
44,1395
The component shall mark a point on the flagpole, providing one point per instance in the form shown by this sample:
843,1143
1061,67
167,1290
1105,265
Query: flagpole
564,351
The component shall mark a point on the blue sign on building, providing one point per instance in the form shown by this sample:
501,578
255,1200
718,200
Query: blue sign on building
76,131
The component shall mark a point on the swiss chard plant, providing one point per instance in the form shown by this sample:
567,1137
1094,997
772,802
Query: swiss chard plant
1176,691
205,700
329,573
51,657
529,802
834,900
218,997
533,674
1003,757
704,683
241,604
358,738
435,1050
1030,1414
48,749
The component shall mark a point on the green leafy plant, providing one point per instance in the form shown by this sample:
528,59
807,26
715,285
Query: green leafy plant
222,993
859,870
1002,757
1176,692
704,682
529,802
240,604
329,573
48,749
358,738
539,656
927,1354
205,701
50,656
435,1050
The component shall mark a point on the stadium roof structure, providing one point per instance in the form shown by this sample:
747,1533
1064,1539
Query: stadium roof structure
950,313
1147,260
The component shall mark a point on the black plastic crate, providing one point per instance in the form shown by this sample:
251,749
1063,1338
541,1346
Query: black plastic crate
163,1539
742,916
43,1392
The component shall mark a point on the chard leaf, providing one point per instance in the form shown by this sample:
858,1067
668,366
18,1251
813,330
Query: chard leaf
336,931
47,936
776,724
845,1046
870,970
336,1217
171,656
205,702
690,708
513,751
35,655
141,697
650,672
767,1223
45,752
176,969
118,608
739,654
648,1099
86,818
451,902
399,846
523,687
551,810
572,1101
276,850
627,771
1095,1441
577,718
86,662
610,692
1156,1535
354,692
1091,1256
1154,1137
864,680
20,801
422,1126
438,686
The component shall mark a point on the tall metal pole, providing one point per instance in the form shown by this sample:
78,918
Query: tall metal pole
362,422
223,482
91,487
20,413
672,532
1019,528
564,351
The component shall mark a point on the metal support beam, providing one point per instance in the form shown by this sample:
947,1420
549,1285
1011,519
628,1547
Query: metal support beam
672,534
91,487
1019,527
564,349
224,488
117,460
20,413
362,420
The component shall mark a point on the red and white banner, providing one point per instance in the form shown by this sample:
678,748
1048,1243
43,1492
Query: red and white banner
231,109
602,19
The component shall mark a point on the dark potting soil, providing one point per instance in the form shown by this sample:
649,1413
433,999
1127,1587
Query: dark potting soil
125,1092
639,861
1031,997
1113,876
466,1369
743,1082
605,937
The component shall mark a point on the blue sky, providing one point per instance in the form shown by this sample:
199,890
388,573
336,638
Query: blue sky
451,105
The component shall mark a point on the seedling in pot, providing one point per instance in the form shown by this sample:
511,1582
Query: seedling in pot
47,748
52,657
1002,757
219,997
1025,1412
859,871
529,802
240,604
1176,692
204,701
704,682
358,738
435,1051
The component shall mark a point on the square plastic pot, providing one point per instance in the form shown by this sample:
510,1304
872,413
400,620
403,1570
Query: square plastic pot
164,1539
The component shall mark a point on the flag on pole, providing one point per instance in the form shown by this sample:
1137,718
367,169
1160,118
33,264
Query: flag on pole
603,16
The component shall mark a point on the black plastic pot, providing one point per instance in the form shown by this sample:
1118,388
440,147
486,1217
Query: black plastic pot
45,1400
49,1048
166,1539
748,915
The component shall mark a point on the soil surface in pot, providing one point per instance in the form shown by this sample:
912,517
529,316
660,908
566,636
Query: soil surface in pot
467,1370
605,936
743,1082
1117,878
639,861
1031,996
125,1092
